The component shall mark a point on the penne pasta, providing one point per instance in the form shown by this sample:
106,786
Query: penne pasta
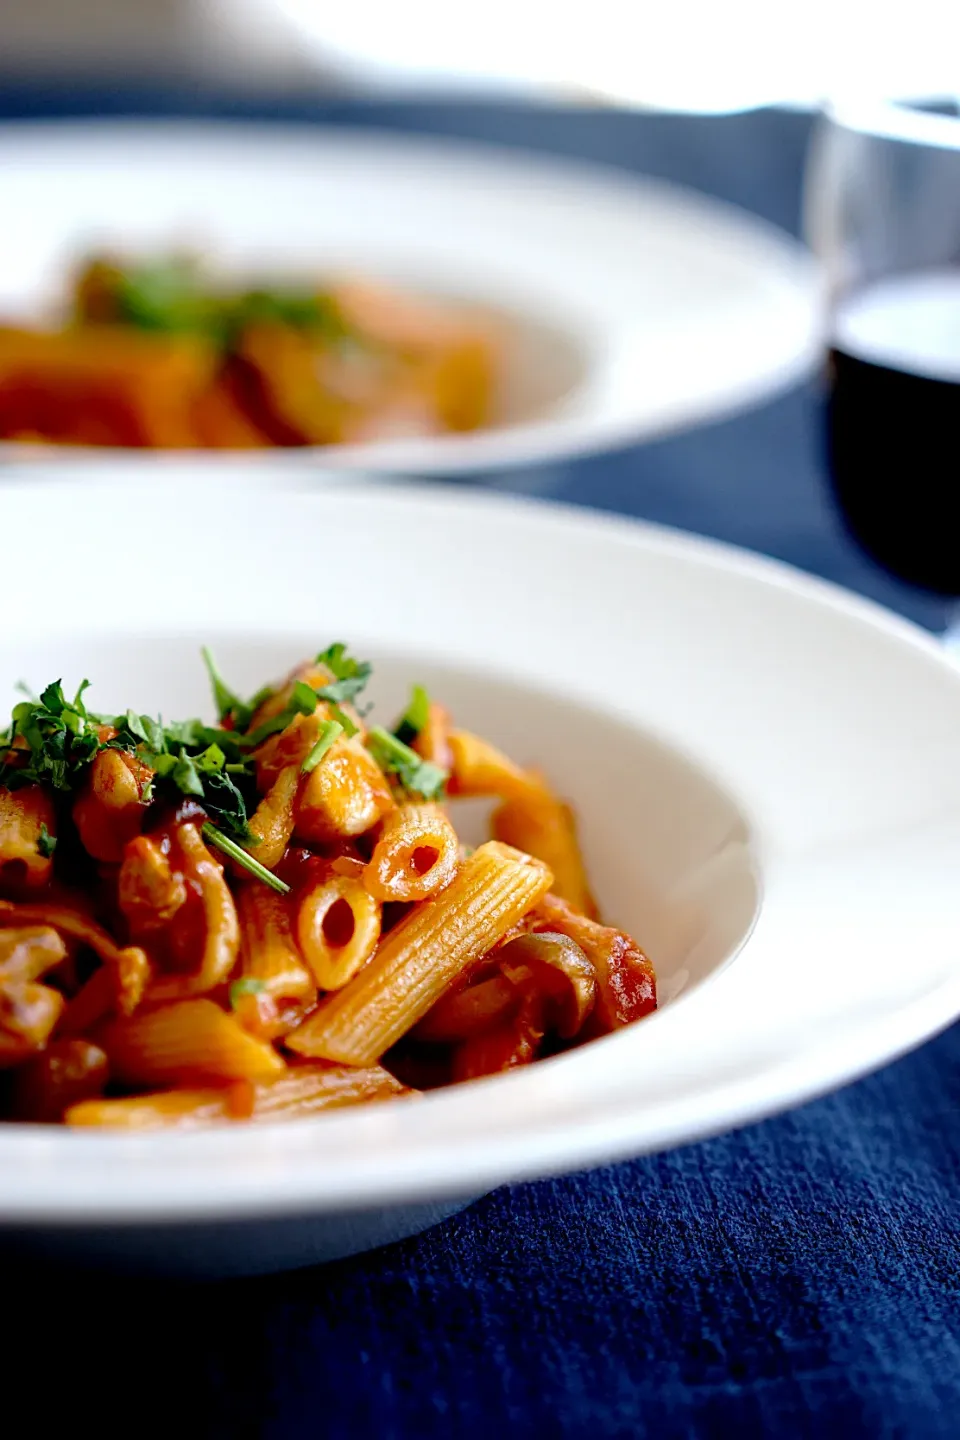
338,927
346,795
416,854
433,741
282,987
26,816
479,768
426,952
305,1090
286,918
189,1042
536,821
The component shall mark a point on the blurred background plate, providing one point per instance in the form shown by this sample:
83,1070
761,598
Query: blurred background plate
635,307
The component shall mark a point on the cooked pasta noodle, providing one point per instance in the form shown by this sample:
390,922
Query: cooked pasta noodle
305,1090
338,927
537,821
415,856
273,915
424,954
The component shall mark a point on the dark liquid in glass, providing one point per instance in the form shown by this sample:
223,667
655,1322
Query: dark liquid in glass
894,426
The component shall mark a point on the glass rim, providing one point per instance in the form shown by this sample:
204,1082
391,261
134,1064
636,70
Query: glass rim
895,119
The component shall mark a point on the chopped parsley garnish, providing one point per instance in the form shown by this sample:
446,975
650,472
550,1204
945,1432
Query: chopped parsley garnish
330,733
246,985
60,736
302,701
52,740
350,676
415,718
229,704
57,740
175,296
46,843
419,777
244,858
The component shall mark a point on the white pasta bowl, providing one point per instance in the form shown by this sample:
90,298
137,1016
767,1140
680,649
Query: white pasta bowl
766,772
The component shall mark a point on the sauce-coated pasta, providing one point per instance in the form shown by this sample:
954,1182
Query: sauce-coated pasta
273,915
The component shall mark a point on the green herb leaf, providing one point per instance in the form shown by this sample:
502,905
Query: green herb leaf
350,676
303,701
227,701
246,985
343,720
330,732
415,718
418,776
46,843
244,859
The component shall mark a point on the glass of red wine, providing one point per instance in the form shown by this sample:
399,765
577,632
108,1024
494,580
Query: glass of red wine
883,216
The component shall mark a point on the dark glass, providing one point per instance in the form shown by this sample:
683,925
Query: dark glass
882,211
894,455
893,427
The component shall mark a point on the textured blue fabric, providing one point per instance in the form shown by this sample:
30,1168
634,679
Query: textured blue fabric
798,1278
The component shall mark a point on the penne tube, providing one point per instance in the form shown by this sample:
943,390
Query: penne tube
304,1090
479,768
271,824
537,822
26,815
626,980
512,1042
346,795
109,811
186,1043
268,950
338,927
218,928
425,953
416,854
433,741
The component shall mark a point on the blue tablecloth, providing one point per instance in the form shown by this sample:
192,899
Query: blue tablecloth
801,1277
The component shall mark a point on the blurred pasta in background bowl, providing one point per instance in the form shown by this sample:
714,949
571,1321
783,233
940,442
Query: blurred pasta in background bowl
159,353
